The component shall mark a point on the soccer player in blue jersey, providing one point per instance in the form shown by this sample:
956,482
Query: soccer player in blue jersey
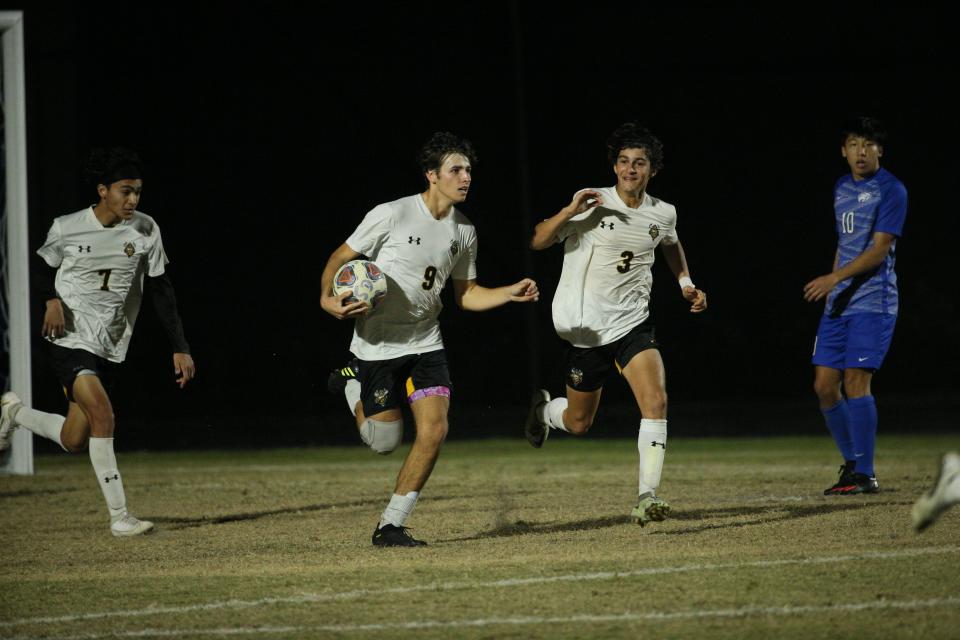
870,206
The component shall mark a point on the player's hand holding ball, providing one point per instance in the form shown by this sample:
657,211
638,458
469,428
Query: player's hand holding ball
358,287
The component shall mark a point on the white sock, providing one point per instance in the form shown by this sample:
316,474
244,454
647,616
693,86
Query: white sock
652,445
46,425
551,413
399,509
105,466
352,393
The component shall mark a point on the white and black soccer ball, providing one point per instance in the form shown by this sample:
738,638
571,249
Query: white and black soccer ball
363,279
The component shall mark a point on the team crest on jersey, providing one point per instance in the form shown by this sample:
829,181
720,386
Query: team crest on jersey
454,247
129,249
863,197
576,377
380,396
654,231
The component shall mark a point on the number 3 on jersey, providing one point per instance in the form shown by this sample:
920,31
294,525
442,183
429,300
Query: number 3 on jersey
429,277
624,265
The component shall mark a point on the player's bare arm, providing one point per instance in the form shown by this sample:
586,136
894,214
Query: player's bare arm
53,319
819,288
334,305
677,261
472,297
544,235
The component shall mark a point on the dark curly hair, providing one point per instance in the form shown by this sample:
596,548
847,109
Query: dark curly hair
440,145
631,135
863,127
106,166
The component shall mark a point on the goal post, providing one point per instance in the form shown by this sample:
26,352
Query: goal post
15,250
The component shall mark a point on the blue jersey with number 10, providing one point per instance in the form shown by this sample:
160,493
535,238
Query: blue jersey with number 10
862,208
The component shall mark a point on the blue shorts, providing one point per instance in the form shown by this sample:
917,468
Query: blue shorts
857,341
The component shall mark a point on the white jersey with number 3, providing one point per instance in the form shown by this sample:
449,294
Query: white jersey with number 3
604,288
100,277
417,253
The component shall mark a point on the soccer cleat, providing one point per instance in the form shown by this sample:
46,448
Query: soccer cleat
937,499
7,402
650,508
338,377
862,483
845,483
535,430
390,536
129,525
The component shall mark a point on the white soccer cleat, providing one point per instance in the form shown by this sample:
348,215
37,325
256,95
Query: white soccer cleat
129,525
944,493
7,402
650,508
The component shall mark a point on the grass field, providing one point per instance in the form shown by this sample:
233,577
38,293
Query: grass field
523,544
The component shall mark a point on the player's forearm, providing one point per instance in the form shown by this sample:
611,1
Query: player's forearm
483,299
866,261
342,255
545,233
165,304
676,259
43,279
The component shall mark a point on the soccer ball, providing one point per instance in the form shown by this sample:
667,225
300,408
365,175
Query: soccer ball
364,279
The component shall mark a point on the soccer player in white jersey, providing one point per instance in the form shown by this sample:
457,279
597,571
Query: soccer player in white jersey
862,302
101,254
601,307
419,242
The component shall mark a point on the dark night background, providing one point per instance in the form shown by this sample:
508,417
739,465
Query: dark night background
269,133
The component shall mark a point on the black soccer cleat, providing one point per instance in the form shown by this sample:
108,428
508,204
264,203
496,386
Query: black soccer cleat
390,536
862,483
338,377
845,483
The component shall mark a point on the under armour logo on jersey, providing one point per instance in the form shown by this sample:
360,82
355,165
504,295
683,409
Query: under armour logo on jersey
654,443
412,240
81,248
604,225
107,479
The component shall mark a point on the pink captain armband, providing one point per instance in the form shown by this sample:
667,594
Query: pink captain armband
429,392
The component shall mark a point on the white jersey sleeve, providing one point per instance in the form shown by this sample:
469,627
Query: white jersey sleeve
156,257
52,249
466,265
373,231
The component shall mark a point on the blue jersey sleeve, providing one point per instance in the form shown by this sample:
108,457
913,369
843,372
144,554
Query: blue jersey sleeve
893,210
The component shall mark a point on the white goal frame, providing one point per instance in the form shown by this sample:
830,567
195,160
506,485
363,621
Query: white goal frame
20,458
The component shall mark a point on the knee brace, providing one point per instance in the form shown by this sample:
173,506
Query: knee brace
382,437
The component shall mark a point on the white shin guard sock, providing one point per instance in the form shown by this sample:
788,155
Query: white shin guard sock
46,425
105,466
399,509
352,394
652,445
553,413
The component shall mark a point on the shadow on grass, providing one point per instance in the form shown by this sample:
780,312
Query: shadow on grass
188,523
26,493
733,517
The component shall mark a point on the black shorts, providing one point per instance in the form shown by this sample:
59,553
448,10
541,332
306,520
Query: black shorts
586,368
68,363
385,384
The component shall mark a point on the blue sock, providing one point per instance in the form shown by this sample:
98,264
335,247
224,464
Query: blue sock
837,418
863,428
